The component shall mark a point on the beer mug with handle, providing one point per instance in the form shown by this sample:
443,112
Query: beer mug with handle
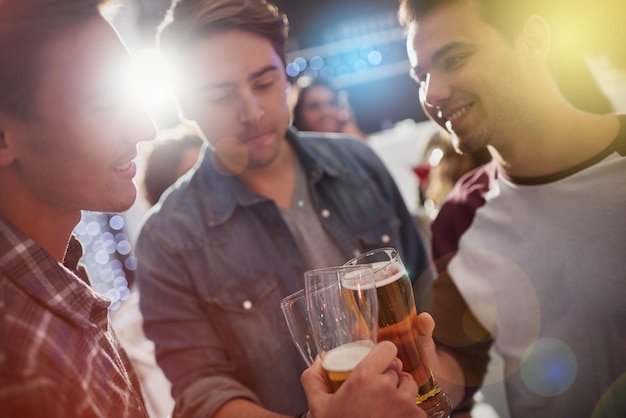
343,313
397,322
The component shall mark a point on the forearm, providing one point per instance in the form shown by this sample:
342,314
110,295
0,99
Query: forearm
243,408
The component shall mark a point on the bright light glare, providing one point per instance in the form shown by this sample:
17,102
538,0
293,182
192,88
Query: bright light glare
150,79
436,155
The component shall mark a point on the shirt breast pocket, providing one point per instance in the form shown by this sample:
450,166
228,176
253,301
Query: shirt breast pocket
249,321
383,232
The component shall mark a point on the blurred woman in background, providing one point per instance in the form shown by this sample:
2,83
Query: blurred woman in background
319,107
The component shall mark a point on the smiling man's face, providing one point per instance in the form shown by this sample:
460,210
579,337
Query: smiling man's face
471,79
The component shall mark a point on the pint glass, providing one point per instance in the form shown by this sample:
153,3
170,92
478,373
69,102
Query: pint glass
397,322
343,313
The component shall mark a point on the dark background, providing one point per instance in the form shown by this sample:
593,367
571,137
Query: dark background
379,96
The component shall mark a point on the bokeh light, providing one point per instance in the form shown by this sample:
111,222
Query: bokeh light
292,70
375,57
106,249
316,62
508,309
549,368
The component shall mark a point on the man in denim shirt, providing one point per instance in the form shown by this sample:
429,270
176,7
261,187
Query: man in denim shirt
266,203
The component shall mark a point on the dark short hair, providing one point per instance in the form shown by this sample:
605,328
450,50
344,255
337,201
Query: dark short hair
567,64
507,16
25,28
189,20
594,27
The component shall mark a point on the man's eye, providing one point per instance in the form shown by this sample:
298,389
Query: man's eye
218,98
264,84
454,61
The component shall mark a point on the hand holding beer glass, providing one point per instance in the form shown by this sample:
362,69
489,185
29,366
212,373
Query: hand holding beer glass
397,322
343,313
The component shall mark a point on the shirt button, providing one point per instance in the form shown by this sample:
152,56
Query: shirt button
385,239
325,213
247,305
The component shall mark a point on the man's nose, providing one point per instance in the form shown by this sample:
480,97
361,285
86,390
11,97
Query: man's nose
251,110
435,91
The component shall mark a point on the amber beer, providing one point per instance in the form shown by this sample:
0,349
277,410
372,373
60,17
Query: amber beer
339,362
397,322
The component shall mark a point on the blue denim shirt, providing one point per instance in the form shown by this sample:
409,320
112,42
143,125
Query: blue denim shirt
214,261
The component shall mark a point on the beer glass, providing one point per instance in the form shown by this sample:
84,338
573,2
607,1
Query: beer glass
343,313
397,322
295,313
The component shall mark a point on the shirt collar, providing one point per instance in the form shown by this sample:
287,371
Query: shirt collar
52,284
222,194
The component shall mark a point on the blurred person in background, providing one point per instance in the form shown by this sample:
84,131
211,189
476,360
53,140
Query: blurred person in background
321,108
442,166
68,136
173,152
266,203
529,247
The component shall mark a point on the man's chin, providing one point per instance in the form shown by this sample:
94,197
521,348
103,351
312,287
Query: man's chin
230,165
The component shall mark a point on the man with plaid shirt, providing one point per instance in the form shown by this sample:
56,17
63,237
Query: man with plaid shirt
68,135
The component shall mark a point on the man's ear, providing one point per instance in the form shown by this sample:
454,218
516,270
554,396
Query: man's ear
535,38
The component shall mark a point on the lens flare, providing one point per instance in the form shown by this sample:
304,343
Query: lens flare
549,368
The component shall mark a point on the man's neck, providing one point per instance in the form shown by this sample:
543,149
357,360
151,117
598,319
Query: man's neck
276,181
50,229
558,142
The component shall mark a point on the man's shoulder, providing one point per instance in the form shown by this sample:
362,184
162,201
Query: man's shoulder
175,216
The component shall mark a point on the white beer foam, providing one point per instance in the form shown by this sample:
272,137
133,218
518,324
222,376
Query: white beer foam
380,272
351,281
345,357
